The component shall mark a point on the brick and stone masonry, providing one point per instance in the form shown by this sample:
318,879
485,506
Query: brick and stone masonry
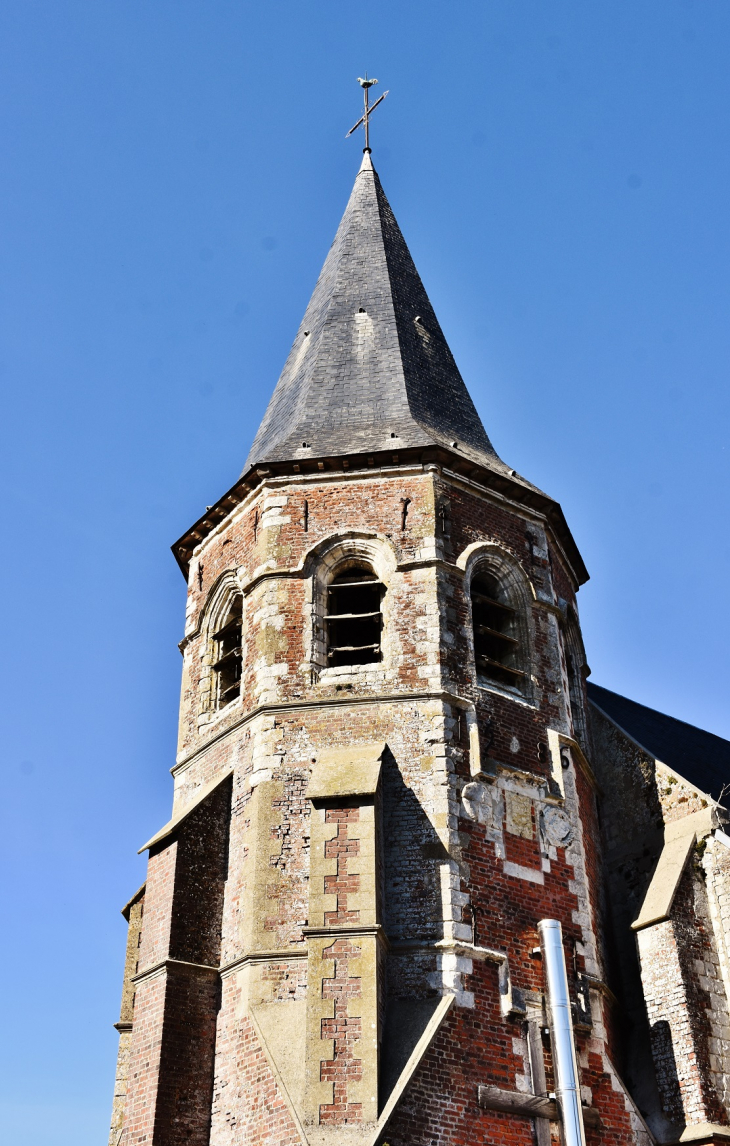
337,940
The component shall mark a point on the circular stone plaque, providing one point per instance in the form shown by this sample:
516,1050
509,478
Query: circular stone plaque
556,827
477,802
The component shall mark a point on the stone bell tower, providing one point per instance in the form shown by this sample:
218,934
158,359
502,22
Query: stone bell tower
382,783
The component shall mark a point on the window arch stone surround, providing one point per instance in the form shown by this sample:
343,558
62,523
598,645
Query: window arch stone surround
321,565
488,557
212,616
576,669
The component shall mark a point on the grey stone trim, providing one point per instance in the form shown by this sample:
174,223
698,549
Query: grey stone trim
324,702
262,957
162,966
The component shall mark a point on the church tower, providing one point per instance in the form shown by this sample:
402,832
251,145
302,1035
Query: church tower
375,915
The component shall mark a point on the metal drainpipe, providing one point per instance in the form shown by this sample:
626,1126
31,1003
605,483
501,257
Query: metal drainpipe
565,1063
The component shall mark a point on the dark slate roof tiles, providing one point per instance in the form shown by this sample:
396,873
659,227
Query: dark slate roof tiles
370,359
698,756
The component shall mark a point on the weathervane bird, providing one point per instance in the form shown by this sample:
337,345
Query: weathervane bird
364,119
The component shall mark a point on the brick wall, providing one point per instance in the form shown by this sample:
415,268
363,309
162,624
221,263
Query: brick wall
687,1007
672,976
459,894
172,1047
133,913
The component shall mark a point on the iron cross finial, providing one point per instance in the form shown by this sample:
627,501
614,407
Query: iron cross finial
364,119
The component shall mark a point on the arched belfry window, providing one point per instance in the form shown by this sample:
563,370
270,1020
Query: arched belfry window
499,640
353,617
575,663
228,654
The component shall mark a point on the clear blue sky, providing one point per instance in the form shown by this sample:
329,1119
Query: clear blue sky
172,176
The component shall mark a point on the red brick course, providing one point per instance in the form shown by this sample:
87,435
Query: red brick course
345,1067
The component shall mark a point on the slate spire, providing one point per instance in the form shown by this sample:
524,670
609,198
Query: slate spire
370,368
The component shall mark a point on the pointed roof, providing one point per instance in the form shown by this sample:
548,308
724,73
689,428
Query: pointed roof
370,368
370,380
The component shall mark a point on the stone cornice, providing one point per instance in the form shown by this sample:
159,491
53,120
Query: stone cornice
323,702
602,988
159,968
504,488
703,1132
252,957
347,931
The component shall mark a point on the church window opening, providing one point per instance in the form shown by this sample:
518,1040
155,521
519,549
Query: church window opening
575,660
228,655
354,618
497,639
